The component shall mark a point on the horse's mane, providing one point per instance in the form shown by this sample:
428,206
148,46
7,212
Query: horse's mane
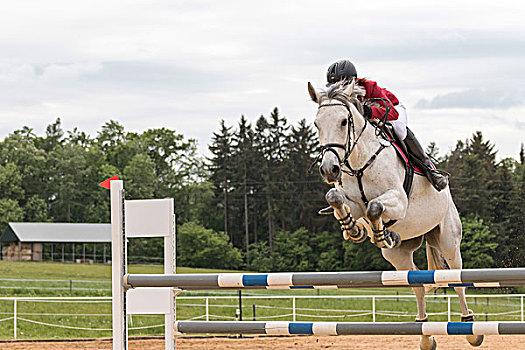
336,92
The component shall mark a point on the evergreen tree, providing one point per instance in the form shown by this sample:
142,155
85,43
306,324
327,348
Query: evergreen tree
221,161
304,191
243,167
274,146
473,166
263,222
221,168
478,244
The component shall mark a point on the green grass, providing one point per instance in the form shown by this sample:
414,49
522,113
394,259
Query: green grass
54,270
266,309
68,275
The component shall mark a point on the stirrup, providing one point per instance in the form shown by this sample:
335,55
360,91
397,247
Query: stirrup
326,211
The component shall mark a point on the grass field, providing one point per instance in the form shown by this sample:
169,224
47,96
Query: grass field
222,305
54,270
68,275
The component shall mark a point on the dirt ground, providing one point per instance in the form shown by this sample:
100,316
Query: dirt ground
265,342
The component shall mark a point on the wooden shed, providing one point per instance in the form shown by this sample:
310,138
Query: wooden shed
32,241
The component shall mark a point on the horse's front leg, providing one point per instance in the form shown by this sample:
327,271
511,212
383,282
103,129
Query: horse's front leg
391,205
343,213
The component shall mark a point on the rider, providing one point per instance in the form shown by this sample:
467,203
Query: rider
344,70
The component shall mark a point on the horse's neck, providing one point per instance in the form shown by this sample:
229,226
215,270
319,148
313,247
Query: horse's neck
366,146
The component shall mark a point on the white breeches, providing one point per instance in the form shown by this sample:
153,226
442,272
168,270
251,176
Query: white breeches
400,125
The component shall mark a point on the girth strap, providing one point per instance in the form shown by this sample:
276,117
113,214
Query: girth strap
359,173
409,172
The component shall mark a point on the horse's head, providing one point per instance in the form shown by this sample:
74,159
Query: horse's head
335,123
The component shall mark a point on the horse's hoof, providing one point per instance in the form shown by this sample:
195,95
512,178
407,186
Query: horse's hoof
391,240
360,237
428,345
396,239
475,340
469,317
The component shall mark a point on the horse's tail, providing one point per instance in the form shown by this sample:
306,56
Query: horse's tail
435,259
435,262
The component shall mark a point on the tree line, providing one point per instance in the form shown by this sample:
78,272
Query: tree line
252,204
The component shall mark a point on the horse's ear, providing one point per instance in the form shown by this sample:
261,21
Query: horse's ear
350,88
314,95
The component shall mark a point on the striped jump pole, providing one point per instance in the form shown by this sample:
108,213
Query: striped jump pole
439,278
352,328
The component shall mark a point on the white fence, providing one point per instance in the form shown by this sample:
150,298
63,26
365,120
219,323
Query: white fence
70,285
294,312
509,306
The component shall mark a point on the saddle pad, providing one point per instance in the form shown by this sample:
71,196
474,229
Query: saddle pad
405,159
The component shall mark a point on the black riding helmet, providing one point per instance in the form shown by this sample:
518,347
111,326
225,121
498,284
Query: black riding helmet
340,70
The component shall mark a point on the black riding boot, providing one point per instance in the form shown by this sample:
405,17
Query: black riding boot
437,179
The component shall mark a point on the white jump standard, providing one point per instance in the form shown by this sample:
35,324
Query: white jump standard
140,218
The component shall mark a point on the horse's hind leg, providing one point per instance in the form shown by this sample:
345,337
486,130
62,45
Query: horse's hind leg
402,258
445,240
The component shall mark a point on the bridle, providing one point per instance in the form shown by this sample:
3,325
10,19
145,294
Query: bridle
349,147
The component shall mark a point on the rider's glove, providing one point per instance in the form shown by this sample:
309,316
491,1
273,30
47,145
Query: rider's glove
368,111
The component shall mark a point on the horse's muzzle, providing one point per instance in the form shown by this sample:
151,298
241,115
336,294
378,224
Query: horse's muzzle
330,172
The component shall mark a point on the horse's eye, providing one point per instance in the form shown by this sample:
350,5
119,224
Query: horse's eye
343,123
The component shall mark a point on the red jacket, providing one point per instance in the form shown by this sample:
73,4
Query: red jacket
374,91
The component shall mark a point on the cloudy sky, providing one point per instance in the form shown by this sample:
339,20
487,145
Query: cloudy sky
457,65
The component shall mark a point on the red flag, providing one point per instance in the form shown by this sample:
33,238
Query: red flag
106,183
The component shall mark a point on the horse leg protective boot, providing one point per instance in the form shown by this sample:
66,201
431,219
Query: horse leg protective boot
437,179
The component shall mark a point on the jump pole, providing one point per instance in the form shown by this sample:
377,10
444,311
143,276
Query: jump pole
373,279
352,328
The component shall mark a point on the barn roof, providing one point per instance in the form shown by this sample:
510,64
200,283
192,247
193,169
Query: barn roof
56,232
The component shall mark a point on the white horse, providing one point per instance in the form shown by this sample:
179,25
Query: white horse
368,177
